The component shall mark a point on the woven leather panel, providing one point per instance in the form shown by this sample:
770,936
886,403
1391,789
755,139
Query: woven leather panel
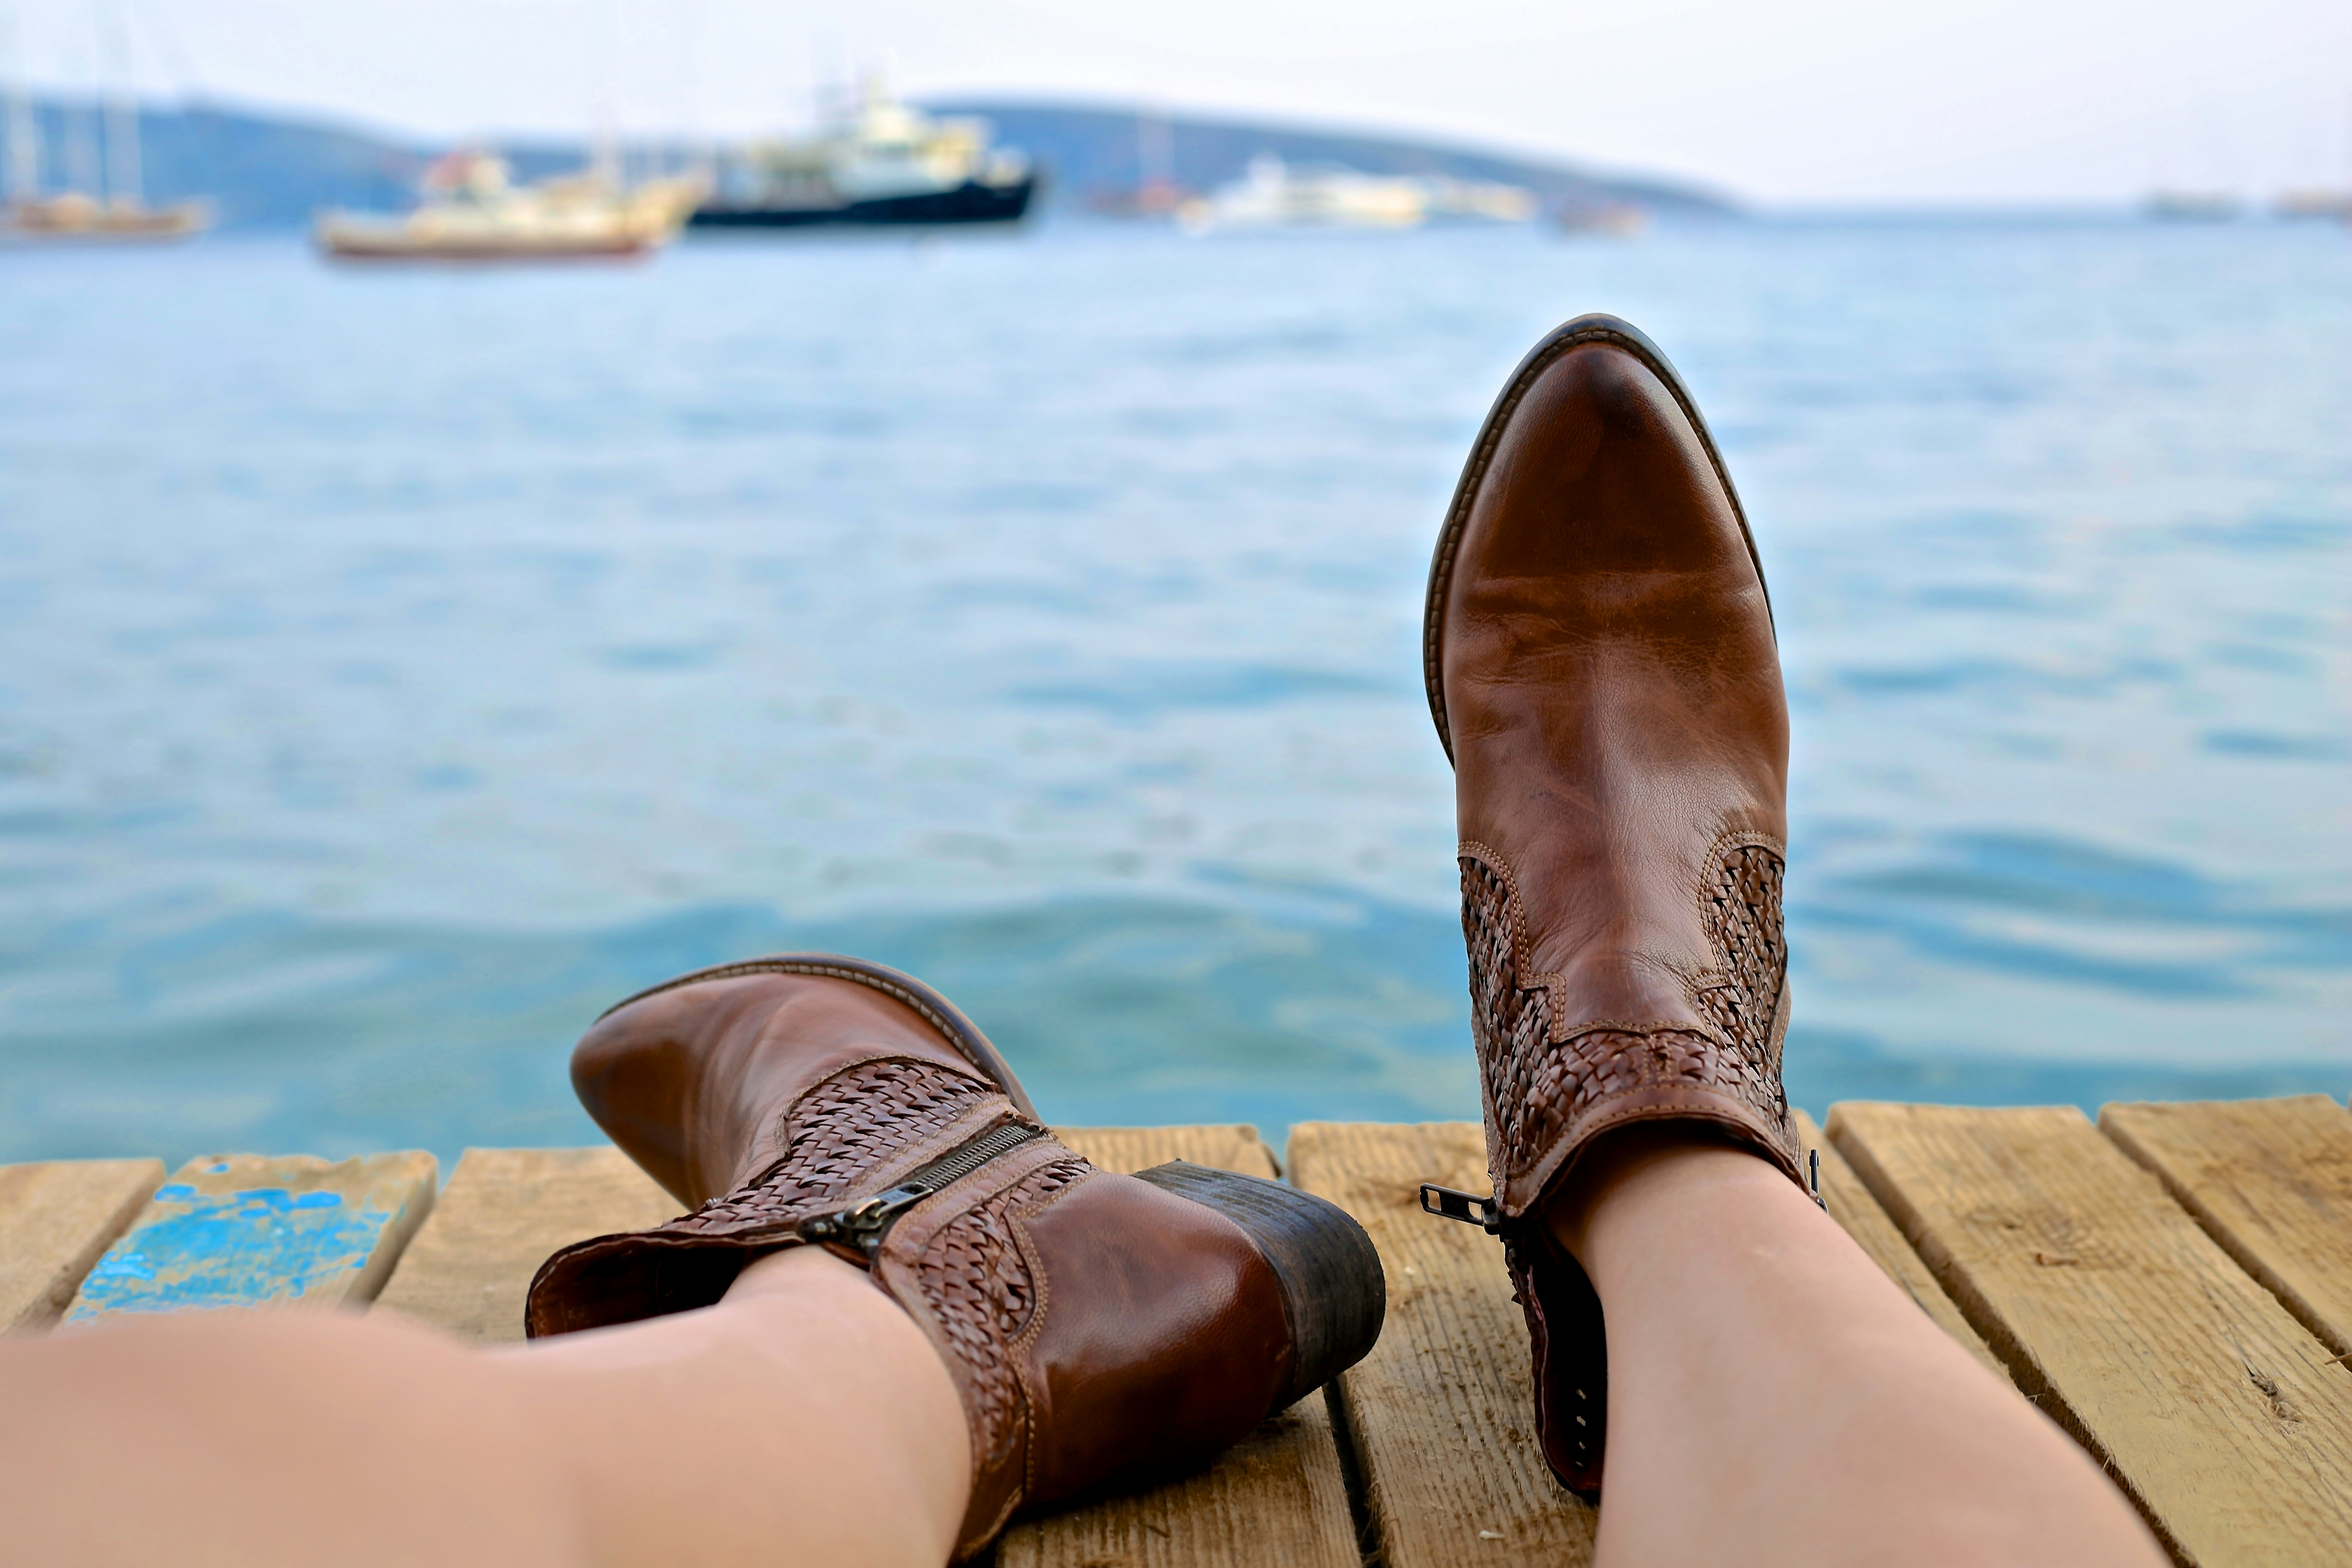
1743,922
1522,1075
1536,1088
982,1293
838,1134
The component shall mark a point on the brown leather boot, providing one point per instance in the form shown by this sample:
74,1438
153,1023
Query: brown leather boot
1098,1327
1601,667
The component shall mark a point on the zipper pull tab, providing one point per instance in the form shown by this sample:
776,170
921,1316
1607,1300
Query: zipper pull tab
861,1225
1467,1207
863,1222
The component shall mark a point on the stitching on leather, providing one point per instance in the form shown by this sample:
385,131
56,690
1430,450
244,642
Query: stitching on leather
984,1296
921,1005
1746,927
1553,985
1016,1357
837,1136
1019,1349
1541,1075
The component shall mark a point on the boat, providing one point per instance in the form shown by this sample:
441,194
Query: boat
2193,207
1479,201
119,215
74,217
2314,202
885,164
1604,219
1272,194
472,211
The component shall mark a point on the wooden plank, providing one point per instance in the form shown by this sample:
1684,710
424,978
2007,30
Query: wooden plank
1440,1415
504,1211
1276,1500
1851,1204
2227,1422
1279,1498
251,1230
56,1217
2271,1181
1130,1149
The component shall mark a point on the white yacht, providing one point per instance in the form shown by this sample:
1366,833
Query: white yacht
1273,193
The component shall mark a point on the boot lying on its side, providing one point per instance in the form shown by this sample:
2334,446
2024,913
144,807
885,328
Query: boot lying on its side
1098,1327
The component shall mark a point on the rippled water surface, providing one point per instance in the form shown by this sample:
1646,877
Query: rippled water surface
395,670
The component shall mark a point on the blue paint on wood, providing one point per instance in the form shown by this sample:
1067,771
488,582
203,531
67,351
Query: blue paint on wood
229,1249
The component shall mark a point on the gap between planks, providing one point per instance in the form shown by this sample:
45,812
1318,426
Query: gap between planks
1439,1416
2269,1182
55,1218
2228,1424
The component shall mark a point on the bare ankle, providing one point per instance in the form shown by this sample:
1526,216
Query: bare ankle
1626,1164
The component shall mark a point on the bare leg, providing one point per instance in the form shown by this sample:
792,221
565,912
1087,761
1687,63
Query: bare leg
803,1419
1775,1399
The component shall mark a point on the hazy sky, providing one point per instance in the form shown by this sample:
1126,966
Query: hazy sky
1788,101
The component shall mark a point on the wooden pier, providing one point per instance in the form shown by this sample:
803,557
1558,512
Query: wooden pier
2173,1284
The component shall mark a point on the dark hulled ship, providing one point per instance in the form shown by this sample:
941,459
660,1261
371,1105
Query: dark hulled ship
885,164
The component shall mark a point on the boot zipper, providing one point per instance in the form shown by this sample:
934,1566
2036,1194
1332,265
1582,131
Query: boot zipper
862,1224
1449,1203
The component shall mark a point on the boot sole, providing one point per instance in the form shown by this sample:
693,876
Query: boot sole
936,1010
1593,328
1334,1292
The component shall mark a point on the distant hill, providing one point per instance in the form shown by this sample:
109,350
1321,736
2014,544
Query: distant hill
1095,150
266,170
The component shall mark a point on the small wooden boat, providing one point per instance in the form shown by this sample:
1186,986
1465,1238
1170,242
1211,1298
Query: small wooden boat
472,212
76,218
114,213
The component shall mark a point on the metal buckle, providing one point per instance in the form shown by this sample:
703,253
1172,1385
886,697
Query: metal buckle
1467,1207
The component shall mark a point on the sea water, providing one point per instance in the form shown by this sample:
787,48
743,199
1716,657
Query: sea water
397,668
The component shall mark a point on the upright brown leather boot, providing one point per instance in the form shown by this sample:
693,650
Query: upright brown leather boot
1601,667
1096,1326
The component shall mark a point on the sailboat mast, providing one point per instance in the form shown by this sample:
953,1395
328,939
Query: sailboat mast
122,170
24,130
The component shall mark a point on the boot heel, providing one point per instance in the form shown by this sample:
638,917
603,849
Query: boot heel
1333,1288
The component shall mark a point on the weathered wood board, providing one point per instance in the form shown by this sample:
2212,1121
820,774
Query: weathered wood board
502,1214
1132,1149
2271,1181
1858,1213
249,1230
2226,1422
1279,1498
1442,1414
2163,1290
55,1218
